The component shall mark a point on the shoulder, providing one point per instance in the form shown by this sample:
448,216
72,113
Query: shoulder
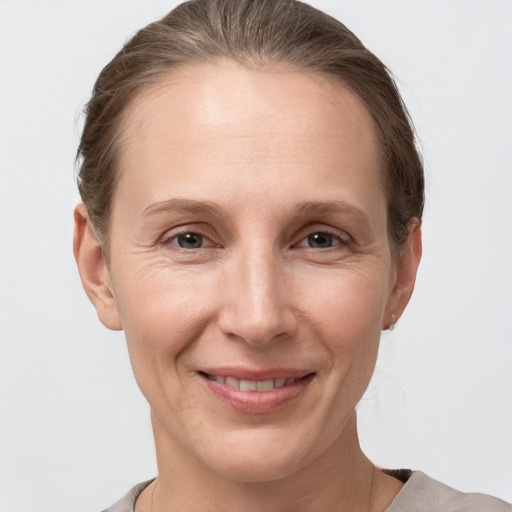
421,494
127,502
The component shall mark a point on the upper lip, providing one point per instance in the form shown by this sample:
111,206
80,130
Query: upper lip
260,374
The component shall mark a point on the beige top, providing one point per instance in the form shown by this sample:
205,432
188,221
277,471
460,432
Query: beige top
419,494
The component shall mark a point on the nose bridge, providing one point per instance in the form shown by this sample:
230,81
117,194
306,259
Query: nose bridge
257,307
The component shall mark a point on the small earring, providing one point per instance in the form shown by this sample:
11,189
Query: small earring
393,323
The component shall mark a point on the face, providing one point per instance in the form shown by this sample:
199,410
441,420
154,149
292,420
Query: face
250,264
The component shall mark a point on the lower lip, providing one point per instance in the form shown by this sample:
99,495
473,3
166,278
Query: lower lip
257,402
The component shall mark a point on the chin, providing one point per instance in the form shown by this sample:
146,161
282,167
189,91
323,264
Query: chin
256,470
259,458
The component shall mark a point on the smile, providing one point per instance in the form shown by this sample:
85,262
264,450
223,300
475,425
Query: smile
256,392
252,385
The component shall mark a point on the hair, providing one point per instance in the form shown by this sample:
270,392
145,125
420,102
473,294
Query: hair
258,34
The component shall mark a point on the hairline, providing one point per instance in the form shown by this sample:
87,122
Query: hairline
164,79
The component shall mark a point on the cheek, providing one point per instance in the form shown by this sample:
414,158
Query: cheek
346,315
163,312
346,305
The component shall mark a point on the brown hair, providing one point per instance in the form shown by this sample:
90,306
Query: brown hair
254,33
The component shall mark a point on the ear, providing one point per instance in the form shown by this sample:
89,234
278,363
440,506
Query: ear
405,275
93,270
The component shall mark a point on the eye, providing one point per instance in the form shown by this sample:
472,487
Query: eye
188,240
320,240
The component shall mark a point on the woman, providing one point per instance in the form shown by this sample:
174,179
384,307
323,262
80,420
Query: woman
251,218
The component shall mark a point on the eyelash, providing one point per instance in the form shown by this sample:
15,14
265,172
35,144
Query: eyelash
173,237
339,239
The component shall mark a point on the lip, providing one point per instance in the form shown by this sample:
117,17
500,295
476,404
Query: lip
256,402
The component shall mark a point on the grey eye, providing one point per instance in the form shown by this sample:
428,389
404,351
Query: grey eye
321,240
189,240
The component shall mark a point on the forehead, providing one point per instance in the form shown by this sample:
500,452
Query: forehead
200,124
226,94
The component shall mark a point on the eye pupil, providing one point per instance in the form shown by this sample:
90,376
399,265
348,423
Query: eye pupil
190,240
320,240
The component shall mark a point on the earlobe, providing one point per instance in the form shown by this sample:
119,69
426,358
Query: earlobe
405,277
93,270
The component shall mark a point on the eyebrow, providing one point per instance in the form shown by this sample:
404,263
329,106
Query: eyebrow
212,208
327,207
184,205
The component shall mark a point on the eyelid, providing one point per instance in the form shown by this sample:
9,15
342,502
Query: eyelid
175,232
342,236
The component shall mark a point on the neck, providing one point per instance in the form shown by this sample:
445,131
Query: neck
342,479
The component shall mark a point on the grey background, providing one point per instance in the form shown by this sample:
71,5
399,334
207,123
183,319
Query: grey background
74,430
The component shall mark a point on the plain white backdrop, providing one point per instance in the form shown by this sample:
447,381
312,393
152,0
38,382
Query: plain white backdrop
74,429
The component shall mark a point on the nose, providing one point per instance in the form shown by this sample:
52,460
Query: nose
256,304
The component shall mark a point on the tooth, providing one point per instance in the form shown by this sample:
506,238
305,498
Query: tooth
251,385
248,385
279,383
265,385
232,382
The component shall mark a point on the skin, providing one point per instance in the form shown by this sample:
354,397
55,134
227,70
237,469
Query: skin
283,155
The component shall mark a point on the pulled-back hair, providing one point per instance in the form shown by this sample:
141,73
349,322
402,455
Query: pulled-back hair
257,34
